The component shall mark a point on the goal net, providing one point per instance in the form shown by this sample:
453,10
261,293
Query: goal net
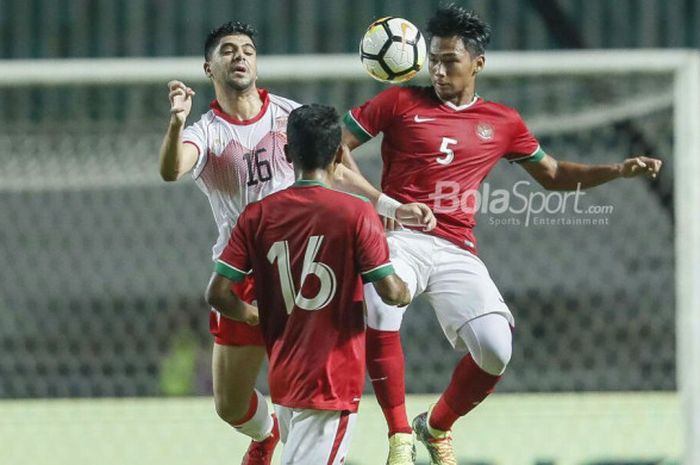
105,264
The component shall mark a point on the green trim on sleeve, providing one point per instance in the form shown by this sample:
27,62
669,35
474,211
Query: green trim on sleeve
537,156
355,128
380,272
228,271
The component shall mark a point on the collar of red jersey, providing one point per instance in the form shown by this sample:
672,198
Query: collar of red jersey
218,111
309,182
460,107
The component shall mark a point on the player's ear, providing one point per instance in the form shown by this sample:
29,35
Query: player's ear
207,69
286,153
480,63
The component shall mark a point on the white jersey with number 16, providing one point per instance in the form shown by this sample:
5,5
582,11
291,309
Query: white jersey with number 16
240,161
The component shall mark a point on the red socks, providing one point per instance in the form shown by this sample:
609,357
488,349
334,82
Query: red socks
385,365
468,387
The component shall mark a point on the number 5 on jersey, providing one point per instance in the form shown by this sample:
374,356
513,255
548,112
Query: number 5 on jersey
279,252
445,148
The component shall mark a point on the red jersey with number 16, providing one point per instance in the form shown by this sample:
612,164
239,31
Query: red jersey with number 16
312,247
438,153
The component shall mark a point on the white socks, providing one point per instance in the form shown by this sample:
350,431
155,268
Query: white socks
259,426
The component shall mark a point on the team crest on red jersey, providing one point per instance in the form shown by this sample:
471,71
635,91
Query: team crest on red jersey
484,131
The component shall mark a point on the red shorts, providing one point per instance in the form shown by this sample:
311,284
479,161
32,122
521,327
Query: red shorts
228,332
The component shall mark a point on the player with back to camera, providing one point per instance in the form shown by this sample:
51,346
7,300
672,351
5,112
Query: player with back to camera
236,155
313,247
440,142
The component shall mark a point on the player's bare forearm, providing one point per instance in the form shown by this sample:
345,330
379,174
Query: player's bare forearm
570,176
220,297
176,159
410,214
565,175
393,291
171,151
348,180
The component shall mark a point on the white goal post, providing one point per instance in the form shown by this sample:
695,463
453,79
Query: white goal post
683,65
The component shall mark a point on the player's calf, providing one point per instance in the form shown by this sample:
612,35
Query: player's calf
257,422
234,411
234,371
385,365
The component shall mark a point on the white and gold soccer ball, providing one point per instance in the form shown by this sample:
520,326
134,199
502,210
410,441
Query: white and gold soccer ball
392,50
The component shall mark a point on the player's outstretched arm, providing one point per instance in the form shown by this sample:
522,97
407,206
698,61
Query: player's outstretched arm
347,180
565,175
220,297
176,158
393,290
410,214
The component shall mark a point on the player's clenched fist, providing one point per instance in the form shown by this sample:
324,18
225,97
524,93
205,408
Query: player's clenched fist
639,166
180,101
416,214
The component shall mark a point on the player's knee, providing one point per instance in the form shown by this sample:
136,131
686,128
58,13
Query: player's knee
490,342
494,358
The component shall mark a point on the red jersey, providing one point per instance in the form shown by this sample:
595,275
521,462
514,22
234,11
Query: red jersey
312,247
438,153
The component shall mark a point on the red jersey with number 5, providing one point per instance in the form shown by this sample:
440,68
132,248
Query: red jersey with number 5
312,247
438,153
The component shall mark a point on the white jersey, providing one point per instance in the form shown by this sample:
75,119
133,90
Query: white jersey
240,161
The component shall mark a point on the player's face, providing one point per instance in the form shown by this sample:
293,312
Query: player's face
234,62
452,68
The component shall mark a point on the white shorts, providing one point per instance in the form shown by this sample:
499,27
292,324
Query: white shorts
314,436
455,282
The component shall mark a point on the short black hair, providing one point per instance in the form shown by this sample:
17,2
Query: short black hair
227,29
313,136
452,20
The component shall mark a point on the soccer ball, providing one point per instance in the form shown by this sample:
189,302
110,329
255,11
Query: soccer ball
392,50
